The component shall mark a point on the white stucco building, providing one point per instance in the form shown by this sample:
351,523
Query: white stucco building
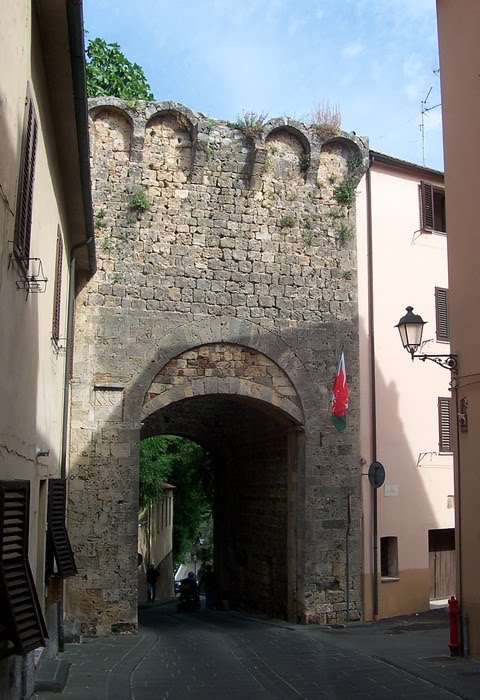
46,234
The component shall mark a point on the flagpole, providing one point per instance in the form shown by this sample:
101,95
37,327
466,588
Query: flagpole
373,384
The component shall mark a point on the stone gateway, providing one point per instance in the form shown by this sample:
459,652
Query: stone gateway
225,290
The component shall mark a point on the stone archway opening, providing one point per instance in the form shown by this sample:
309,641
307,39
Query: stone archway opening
255,450
173,468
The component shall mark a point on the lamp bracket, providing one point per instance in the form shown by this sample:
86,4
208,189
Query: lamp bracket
450,362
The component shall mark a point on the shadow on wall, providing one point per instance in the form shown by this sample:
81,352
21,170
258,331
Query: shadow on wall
414,498
20,354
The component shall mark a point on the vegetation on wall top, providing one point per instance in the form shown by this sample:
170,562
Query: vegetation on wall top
326,120
251,123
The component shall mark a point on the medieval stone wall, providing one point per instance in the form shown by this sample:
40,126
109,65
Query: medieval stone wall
226,266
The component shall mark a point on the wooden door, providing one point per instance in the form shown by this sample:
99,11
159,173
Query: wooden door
441,546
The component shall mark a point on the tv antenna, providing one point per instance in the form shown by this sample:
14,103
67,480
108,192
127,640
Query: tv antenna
425,110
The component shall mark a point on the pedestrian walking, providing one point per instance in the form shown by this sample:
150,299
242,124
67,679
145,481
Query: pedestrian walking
152,578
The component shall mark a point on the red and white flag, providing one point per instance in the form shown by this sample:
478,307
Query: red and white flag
340,396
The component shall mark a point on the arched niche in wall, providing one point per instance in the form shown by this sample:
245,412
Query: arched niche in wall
287,157
111,137
340,158
167,153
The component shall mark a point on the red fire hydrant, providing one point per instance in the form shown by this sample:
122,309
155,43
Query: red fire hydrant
453,611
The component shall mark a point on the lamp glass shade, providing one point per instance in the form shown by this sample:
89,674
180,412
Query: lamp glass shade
410,328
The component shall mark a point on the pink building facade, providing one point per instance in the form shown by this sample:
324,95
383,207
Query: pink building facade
405,405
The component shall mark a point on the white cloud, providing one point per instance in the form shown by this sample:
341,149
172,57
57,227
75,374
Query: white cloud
295,24
346,80
377,70
352,49
414,72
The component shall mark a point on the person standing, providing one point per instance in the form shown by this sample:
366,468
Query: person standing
152,578
208,580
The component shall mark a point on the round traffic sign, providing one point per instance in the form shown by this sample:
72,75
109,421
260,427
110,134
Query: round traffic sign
376,474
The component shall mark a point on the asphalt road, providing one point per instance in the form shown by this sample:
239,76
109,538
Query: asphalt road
228,656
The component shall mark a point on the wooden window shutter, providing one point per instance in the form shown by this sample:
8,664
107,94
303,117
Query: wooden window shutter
21,613
58,541
441,312
426,206
23,217
444,431
57,293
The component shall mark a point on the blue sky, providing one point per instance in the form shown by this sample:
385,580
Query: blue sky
374,59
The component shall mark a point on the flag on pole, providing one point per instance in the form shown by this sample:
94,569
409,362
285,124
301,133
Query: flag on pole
340,396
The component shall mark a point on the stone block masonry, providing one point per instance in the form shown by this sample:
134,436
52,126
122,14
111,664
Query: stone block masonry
226,287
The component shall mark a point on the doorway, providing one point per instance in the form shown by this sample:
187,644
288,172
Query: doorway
441,548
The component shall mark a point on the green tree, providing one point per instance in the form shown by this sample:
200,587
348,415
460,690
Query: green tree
186,466
110,73
155,470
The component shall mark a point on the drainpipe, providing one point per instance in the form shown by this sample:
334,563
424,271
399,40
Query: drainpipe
66,404
77,59
371,335
464,636
68,359
79,77
77,62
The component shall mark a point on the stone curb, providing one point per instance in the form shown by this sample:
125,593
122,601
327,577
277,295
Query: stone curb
52,675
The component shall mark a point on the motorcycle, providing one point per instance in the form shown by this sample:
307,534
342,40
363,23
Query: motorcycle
189,597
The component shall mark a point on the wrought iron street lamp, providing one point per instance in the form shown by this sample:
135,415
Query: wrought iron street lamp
410,328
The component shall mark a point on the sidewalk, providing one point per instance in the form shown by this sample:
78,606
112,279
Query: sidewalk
416,645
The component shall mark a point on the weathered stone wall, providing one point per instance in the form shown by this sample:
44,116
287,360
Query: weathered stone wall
226,269
256,374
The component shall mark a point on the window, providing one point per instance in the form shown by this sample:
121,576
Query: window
57,292
432,208
444,430
23,217
389,557
21,619
58,544
441,313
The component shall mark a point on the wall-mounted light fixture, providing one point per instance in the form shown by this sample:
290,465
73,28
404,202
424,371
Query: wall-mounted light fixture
410,328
